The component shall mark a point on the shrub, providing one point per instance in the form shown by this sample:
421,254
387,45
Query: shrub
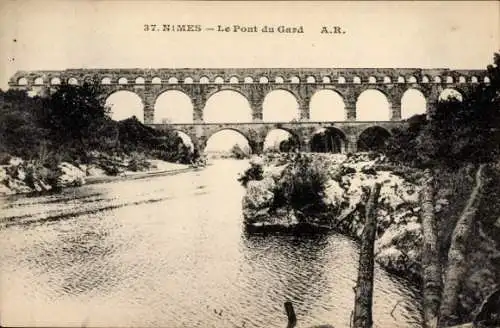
301,186
238,153
254,172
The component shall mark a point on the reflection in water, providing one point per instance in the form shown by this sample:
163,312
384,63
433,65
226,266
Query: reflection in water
170,251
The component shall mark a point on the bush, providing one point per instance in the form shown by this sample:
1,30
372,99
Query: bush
254,172
238,153
301,186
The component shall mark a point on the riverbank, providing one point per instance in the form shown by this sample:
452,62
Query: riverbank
346,182
23,177
277,182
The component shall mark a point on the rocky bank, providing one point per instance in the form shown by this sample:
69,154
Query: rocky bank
20,176
399,238
348,181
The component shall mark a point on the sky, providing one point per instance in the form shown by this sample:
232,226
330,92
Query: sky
65,34
62,34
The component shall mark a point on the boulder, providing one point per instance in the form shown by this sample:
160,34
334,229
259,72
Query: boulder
4,190
258,199
15,161
334,194
71,176
94,170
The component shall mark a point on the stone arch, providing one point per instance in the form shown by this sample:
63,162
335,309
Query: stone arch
204,80
55,81
387,79
328,140
248,79
122,80
413,102
372,79
219,80
474,79
327,79
140,80
373,105
373,138
234,80
425,79
310,79
38,81
106,80
401,79
341,80
412,79
461,79
437,79
279,80
22,81
450,93
222,140
156,80
188,80
227,106
263,80
281,140
327,105
124,104
280,105
356,80
294,79
449,79
72,81
173,80
173,106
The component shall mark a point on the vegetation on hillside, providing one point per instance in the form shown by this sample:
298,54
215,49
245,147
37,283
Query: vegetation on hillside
458,147
72,124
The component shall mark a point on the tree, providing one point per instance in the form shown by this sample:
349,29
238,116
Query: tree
457,133
73,114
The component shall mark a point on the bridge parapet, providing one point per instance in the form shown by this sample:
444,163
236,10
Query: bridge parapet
252,75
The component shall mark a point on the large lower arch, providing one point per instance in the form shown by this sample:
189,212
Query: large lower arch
173,106
227,106
327,105
125,104
280,140
223,142
372,105
328,140
373,139
280,106
413,103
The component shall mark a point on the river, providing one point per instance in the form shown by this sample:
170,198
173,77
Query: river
171,251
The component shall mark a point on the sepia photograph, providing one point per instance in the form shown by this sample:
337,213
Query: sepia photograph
249,164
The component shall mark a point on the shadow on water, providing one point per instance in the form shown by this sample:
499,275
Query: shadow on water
294,265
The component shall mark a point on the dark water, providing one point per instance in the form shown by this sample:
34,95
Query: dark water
170,251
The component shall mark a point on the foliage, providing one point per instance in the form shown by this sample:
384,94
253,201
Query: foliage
73,122
20,133
301,186
254,172
457,132
238,153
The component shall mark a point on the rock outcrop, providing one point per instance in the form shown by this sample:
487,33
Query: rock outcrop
345,193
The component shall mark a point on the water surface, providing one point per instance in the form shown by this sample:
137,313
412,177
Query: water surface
171,251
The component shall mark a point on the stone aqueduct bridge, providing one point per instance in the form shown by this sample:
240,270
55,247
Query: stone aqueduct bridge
255,84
